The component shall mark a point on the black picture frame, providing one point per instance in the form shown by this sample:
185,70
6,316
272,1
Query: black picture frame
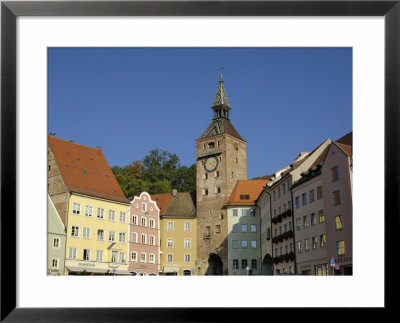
10,10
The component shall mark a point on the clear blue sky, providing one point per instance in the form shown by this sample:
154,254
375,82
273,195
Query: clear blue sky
130,100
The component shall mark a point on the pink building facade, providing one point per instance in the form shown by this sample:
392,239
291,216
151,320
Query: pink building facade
144,236
337,177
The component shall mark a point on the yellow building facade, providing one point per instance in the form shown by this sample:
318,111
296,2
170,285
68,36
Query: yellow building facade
178,233
97,236
178,246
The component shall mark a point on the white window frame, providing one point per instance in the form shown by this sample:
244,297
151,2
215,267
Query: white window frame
87,213
88,254
187,257
122,258
253,227
74,253
170,258
134,237
143,259
75,231
111,215
134,256
152,223
114,259
235,212
122,234
143,221
170,243
152,258
104,233
143,235
122,217
187,243
135,219
58,244
76,208
99,255
152,240
86,233
170,226
111,233
57,263
187,226
100,213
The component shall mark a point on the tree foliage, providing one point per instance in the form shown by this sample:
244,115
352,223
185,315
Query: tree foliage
159,172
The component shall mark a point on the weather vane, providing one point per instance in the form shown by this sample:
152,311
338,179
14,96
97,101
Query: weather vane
220,74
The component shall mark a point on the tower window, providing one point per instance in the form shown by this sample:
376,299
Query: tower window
218,189
205,191
211,145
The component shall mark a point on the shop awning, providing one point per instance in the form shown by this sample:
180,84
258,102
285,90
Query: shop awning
87,269
171,270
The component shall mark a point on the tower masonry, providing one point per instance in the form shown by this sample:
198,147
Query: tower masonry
221,162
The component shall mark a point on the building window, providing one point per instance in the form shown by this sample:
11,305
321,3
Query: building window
86,233
235,244
244,212
100,213
311,196
170,226
86,254
56,243
340,250
208,232
319,192
284,188
152,240
211,145
114,256
297,201
244,263
244,196
244,227
313,218
314,242
268,233
235,228
252,212
305,221
187,226
253,227
89,210
143,257
253,244
285,227
75,231
279,211
187,257
134,256
235,212
170,258
244,244
205,191
143,238
299,247
338,222
321,270
111,236
274,213
337,198
122,257
76,208
122,237
122,217
134,219
134,237
307,244
216,174
279,192
152,258
321,216
253,263
144,207
152,223
218,189
274,196
111,215
304,199
143,221
322,240
54,263
100,234
235,264
205,176
335,173
218,228
99,255
170,243
187,243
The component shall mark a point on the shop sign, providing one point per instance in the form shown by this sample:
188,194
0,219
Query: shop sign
86,264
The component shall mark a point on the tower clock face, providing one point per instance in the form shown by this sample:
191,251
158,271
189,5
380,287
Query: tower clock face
211,164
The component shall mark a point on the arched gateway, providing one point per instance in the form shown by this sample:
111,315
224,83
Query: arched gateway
214,265
267,266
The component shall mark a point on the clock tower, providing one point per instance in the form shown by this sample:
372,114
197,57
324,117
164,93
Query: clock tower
221,161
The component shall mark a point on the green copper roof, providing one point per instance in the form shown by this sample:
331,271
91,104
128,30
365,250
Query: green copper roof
220,126
221,100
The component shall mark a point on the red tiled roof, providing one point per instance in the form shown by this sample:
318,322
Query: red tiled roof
85,170
162,201
347,139
252,187
347,149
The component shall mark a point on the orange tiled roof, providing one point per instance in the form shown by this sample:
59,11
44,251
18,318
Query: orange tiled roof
347,139
162,201
347,149
85,170
251,187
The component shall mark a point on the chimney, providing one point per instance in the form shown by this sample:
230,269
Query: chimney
174,192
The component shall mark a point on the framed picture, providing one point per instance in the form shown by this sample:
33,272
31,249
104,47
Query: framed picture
185,310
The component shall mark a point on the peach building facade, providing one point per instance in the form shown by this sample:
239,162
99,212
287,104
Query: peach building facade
144,236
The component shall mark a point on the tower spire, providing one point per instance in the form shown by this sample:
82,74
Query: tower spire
221,105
